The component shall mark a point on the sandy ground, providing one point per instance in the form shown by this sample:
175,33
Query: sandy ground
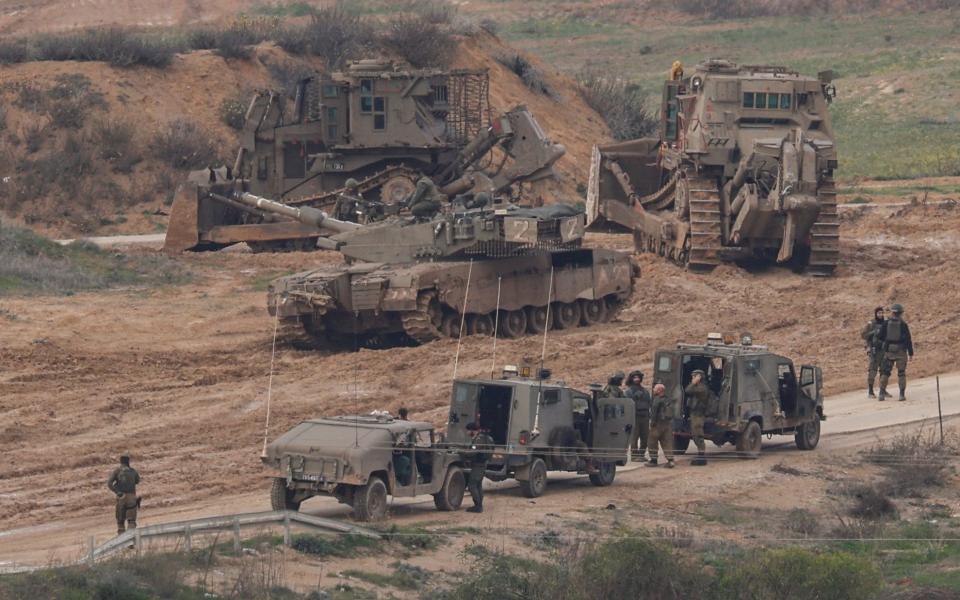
178,376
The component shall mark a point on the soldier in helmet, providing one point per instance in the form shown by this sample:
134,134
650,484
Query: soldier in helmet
478,457
896,344
871,340
614,388
661,426
698,399
348,201
123,482
426,200
641,404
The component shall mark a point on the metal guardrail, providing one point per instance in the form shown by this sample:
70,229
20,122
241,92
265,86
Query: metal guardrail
134,537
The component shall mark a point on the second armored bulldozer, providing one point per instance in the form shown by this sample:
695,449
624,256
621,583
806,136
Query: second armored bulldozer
742,169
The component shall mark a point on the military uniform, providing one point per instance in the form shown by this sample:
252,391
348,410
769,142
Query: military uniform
661,429
426,200
123,482
481,449
870,334
613,389
698,399
896,344
641,405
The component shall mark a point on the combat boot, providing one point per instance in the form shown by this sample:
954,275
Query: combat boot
700,460
870,393
651,463
883,394
670,464
476,508
903,396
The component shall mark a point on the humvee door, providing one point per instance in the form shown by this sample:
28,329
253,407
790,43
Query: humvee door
612,425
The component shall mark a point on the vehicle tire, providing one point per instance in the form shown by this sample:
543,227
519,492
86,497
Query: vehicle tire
280,497
604,475
680,444
480,324
536,319
566,315
370,501
593,311
808,435
536,482
513,323
750,440
450,496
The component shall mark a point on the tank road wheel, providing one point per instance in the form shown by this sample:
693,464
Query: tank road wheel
604,475
566,314
450,496
280,497
423,325
536,481
370,501
593,311
808,435
680,444
536,319
480,324
513,323
749,441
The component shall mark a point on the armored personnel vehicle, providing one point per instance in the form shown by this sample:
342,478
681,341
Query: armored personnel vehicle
754,393
742,169
377,124
540,425
360,461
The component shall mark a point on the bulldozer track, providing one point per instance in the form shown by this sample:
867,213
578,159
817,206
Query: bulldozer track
328,199
825,235
418,324
705,223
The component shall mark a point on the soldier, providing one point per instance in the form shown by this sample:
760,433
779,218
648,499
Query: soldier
613,388
403,413
478,457
661,426
698,398
123,482
896,345
426,200
641,405
348,201
871,341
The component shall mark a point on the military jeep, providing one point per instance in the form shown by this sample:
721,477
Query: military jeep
753,392
539,425
360,461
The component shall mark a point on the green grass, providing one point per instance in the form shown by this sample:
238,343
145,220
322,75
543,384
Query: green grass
403,577
284,9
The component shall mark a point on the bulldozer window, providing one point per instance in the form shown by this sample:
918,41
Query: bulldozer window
330,90
785,101
366,95
748,99
379,112
332,128
761,100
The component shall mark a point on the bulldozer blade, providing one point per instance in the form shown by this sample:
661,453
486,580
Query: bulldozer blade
183,231
789,238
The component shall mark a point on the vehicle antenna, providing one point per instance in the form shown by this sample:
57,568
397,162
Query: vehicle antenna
463,319
356,392
496,328
273,355
543,352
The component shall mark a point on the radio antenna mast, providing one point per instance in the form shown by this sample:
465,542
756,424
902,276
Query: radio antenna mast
463,320
496,328
543,353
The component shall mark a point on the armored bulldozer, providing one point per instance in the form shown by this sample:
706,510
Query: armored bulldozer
539,425
753,393
484,270
742,169
378,128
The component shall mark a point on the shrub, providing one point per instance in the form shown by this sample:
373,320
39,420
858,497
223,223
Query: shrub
3,118
336,35
913,461
236,41
33,136
67,114
531,76
117,46
233,113
419,41
490,26
434,11
622,105
293,40
114,140
30,98
202,38
13,51
872,503
183,144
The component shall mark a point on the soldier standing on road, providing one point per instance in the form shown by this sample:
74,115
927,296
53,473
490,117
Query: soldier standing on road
613,388
871,340
661,426
123,482
641,404
896,345
698,398
478,458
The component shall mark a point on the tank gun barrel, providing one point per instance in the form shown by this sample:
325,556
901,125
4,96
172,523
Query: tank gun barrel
303,214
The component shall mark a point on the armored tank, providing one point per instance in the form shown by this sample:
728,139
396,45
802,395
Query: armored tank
742,169
476,270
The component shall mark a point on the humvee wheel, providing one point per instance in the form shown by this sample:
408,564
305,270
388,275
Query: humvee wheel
280,497
593,311
513,323
566,314
536,319
536,482
370,501
680,444
604,475
480,325
450,496
749,441
808,435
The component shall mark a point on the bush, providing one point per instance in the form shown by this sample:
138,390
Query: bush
117,46
419,41
237,40
622,105
202,38
440,12
293,40
872,503
183,144
33,136
30,98
233,113
13,51
114,140
531,76
336,35
3,118
914,461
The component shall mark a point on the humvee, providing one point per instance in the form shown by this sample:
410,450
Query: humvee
360,460
754,392
539,425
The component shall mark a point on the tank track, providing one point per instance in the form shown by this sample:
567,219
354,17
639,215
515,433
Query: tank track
297,335
705,224
419,324
825,235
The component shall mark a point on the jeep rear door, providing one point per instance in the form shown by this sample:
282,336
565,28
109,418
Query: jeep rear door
613,423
